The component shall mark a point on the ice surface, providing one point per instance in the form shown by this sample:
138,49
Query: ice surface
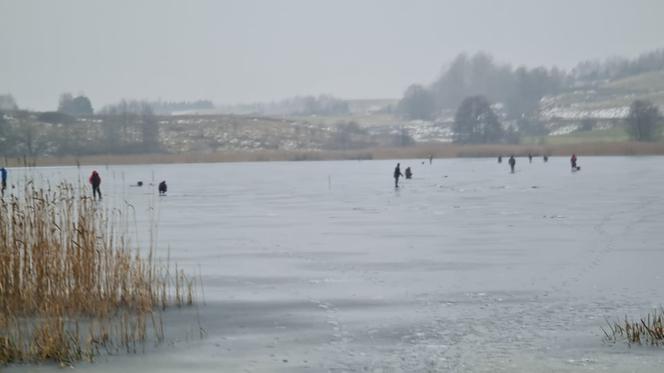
325,267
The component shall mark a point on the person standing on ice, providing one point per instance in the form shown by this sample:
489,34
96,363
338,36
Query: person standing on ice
95,181
573,162
409,173
3,171
163,188
512,163
397,174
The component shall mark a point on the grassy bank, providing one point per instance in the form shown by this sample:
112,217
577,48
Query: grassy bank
438,150
606,136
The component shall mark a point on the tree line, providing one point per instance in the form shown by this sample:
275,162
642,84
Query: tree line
296,106
471,83
159,107
130,128
619,67
519,89
475,122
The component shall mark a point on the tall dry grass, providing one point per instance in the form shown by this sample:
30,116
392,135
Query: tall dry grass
646,331
72,284
419,151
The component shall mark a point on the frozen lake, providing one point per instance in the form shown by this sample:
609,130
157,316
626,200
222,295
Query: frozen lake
325,267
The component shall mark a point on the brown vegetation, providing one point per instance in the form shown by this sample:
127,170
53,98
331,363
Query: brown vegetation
423,151
72,284
649,330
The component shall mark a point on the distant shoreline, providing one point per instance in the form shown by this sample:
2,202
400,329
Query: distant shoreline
420,151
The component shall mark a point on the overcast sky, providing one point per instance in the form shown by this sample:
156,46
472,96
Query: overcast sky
246,50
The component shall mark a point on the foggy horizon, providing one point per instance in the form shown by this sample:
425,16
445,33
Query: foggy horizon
197,186
239,52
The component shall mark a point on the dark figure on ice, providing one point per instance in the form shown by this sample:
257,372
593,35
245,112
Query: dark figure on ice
397,173
431,159
572,160
409,173
512,163
500,159
3,171
162,188
95,181
530,157
546,158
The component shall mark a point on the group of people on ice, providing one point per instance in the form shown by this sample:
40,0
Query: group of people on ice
408,172
512,162
398,174
95,181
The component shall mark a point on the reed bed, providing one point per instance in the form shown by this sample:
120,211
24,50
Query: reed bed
646,331
419,151
72,284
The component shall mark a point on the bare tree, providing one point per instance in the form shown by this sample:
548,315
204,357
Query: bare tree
149,129
476,123
643,121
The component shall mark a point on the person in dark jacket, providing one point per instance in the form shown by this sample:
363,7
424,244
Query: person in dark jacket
397,174
95,181
163,188
3,171
409,173
573,162
512,163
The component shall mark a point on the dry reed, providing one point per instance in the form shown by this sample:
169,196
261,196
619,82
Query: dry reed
71,283
647,331
419,151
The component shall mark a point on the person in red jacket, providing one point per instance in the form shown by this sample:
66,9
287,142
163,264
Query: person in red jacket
573,162
95,181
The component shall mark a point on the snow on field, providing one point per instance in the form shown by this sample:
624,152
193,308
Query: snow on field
574,113
564,130
325,267
426,131
550,108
